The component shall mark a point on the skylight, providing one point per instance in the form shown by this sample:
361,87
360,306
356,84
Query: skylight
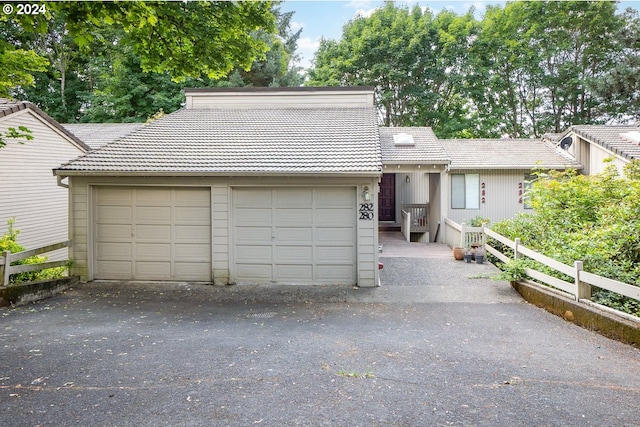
403,139
633,137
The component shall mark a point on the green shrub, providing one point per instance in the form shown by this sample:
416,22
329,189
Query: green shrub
9,242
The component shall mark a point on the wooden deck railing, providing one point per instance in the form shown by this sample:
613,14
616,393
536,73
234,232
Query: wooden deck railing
419,214
6,258
579,288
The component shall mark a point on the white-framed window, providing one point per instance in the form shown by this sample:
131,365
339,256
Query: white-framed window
465,191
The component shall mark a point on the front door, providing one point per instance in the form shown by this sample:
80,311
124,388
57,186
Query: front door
387,198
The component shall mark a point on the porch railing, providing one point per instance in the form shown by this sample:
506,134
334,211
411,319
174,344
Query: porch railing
6,258
419,215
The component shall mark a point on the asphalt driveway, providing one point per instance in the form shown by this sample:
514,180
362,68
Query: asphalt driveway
439,344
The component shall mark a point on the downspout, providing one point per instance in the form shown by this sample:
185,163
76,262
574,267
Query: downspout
59,181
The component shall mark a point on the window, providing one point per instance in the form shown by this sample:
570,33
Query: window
465,191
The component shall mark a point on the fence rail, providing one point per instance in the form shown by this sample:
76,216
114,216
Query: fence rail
419,214
6,258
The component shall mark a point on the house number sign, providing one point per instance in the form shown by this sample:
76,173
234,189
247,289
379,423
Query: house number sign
366,211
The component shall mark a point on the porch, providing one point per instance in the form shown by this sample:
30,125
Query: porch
394,245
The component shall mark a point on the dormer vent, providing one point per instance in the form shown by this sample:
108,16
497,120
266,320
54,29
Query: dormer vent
633,137
403,139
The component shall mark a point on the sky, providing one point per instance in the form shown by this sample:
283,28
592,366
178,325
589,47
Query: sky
325,18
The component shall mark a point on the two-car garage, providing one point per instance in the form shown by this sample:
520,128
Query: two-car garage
276,234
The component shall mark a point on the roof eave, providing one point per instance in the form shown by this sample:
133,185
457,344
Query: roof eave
67,173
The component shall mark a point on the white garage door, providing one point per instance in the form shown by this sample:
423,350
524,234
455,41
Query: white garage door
295,235
152,233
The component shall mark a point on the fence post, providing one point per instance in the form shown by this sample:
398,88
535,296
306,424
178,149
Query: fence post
583,290
463,235
4,279
516,255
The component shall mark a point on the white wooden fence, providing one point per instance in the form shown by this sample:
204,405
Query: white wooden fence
462,235
6,258
579,289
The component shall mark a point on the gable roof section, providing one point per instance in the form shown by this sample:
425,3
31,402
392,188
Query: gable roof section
95,135
8,107
609,137
243,141
427,148
505,154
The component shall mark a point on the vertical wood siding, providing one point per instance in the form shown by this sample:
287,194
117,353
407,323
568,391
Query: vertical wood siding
29,190
502,198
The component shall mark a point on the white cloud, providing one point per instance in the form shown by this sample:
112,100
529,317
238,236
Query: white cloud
365,13
359,4
307,48
295,26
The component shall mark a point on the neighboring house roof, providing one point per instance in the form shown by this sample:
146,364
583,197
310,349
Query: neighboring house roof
95,135
610,138
8,107
243,141
504,154
427,148
552,138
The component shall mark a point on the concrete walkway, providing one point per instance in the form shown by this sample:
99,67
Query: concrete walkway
438,344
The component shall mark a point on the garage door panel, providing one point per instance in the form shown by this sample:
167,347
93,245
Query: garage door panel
332,236
192,234
153,197
153,215
253,235
253,216
335,274
251,197
153,233
335,255
293,197
152,270
192,215
294,273
192,197
113,251
115,215
335,216
258,254
294,235
113,232
115,196
191,252
294,216
253,272
294,254
153,252
335,197
117,270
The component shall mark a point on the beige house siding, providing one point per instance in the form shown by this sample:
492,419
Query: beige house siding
502,198
29,190
81,190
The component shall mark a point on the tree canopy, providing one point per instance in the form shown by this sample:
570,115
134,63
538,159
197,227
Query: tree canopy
524,69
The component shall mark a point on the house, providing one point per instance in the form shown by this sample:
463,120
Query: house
29,191
488,177
259,185
95,135
413,163
591,145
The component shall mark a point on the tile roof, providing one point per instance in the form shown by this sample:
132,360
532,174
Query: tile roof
8,107
609,137
95,135
505,154
252,141
427,148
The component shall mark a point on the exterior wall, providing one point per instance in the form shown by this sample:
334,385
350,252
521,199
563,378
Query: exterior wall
221,188
592,157
266,98
29,190
502,195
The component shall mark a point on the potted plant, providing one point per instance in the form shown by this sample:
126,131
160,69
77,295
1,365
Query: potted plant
458,253
480,255
467,255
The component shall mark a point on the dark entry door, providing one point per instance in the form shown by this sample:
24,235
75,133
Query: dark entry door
387,198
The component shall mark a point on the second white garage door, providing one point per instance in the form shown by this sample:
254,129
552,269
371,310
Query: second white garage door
295,235
152,233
